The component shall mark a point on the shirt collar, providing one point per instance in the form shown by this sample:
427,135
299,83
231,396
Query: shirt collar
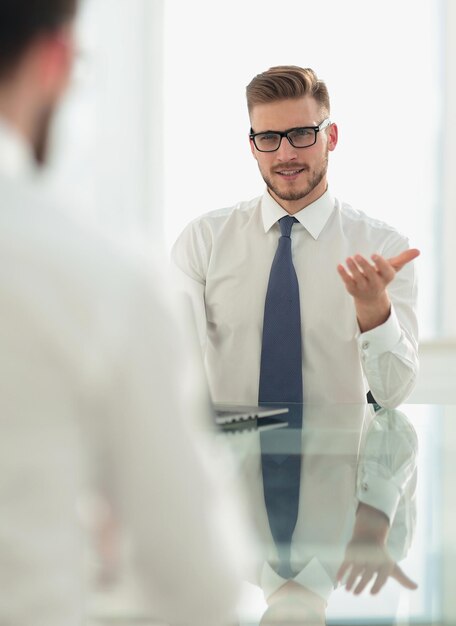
313,577
313,217
16,160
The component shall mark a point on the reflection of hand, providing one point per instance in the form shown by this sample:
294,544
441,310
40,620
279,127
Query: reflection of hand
366,561
367,556
367,283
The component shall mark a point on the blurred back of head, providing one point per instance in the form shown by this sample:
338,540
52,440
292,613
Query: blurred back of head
36,56
23,21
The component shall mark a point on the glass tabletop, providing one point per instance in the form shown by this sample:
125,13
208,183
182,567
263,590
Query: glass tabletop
334,491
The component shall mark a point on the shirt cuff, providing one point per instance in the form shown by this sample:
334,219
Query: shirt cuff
381,339
381,494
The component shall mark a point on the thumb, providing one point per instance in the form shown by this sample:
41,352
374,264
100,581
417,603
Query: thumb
402,259
402,578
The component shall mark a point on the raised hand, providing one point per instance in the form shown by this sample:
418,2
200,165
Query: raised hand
367,283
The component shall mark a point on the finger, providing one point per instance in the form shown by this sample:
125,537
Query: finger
365,578
367,268
354,574
403,258
358,276
381,579
402,578
384,268
347,278
342,569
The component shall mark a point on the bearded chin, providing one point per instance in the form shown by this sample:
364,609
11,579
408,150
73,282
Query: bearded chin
299,194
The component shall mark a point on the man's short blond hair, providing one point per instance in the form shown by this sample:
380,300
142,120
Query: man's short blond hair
285,82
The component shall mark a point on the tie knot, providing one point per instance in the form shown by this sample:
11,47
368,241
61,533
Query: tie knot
286,224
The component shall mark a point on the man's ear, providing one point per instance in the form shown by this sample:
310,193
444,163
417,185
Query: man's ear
252,148
54,54
333,136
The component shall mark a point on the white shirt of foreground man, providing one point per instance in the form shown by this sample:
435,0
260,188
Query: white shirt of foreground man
356,334
92,393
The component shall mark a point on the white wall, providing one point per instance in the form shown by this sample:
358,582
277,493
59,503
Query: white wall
108,140
447,269
437,376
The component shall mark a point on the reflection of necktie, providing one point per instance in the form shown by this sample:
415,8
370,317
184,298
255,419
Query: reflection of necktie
281,381
281,359
281,471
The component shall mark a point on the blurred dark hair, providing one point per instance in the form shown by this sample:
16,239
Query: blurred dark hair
22,21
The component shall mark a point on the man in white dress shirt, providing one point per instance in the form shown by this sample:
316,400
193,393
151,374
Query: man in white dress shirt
358,321
91,382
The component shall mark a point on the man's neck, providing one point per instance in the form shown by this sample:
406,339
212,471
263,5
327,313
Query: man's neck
16,155
294,206
14,110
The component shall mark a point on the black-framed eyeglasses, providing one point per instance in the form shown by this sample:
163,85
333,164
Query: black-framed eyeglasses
299,137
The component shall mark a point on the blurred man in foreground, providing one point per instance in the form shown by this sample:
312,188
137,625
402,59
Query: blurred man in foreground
90,364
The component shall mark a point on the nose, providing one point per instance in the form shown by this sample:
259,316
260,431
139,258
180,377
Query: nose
286,151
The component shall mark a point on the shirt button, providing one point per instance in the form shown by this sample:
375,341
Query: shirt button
364,486
365,345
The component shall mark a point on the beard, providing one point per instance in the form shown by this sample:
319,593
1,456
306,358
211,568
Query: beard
42,135
315,178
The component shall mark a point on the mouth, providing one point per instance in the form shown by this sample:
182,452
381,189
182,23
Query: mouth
290,173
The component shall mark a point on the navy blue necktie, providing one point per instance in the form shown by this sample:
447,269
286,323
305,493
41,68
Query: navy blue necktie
281,358
281,382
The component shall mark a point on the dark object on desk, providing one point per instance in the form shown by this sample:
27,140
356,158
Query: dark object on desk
262,424
371,400
228,413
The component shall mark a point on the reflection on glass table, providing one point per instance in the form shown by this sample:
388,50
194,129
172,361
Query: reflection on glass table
333,504
398,464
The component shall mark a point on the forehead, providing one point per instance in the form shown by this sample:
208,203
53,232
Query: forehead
285,114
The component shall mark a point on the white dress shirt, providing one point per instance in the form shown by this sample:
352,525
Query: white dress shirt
348,456
91,365
224,260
